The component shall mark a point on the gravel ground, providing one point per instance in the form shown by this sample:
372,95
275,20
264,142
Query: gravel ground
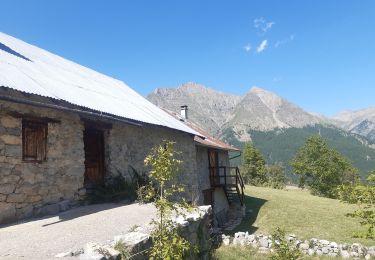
45,237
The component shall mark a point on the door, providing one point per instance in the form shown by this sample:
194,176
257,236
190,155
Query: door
94,157
213,160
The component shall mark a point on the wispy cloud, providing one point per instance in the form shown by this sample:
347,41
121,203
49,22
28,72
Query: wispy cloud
277,79
247,47
262,25
262,46
286,40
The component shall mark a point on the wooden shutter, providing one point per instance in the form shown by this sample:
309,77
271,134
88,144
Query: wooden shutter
34,141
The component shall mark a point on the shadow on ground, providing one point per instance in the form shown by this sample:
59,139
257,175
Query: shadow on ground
70,214
253,206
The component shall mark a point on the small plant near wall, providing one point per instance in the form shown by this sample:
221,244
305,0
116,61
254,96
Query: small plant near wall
283,249
167,241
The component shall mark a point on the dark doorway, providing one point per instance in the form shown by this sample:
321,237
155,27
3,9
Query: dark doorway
94,157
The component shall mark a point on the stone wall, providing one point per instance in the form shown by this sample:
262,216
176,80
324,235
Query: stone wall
127,146
33,189
312,247
195,227
29,189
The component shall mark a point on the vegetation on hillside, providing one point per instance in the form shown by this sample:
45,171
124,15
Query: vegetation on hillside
364,196
322,168
256,172
280,145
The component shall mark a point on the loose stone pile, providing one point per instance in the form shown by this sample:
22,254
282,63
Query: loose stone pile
310,247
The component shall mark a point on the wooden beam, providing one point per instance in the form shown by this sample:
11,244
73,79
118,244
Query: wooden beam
33,117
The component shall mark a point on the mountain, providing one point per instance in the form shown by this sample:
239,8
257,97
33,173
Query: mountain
360,122
209,108
276,126
214,111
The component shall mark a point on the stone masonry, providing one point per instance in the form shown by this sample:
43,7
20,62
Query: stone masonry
33,189
30,189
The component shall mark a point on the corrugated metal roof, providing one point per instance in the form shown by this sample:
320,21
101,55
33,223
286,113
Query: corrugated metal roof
29,69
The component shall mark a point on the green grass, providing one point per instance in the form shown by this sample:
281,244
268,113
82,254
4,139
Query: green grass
300,213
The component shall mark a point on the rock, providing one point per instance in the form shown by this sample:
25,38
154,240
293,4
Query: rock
332,254
354,254
50,209
250,238
131,238
263,242
367,257
311,252
304,246
324,242
325,250
226,240
7,188
10,122
64,205
333,245
319,252
11,139
7,212
345,254
66,254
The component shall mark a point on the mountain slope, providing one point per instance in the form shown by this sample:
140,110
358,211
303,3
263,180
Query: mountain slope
207,107
360,122
214,111
280,145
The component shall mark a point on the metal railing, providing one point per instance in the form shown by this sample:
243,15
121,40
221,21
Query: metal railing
226,177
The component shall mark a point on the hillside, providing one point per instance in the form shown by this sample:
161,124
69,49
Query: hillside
360,122
281,145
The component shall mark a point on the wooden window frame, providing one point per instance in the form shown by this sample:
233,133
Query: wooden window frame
37,125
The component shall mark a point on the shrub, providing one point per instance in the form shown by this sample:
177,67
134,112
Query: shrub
364,196
283,249
167,242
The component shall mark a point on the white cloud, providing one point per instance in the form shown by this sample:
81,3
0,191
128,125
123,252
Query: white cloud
247,47
284,41
262,46
262,25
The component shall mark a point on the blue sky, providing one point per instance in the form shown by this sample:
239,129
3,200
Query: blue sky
317,54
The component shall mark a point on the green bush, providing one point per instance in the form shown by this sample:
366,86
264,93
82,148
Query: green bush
283,249
253,166
364,196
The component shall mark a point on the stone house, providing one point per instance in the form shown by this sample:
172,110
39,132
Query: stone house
221,183
65,128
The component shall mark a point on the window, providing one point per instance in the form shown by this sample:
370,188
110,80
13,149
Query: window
34,141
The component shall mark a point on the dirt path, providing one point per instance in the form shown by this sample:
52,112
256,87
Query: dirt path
71,230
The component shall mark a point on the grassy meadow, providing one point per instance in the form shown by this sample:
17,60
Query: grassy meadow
298,212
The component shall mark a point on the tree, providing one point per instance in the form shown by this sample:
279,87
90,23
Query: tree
167,242
276,175
253,166
364,196
322,168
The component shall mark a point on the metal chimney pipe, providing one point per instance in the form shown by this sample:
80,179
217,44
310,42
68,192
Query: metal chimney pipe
184,112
